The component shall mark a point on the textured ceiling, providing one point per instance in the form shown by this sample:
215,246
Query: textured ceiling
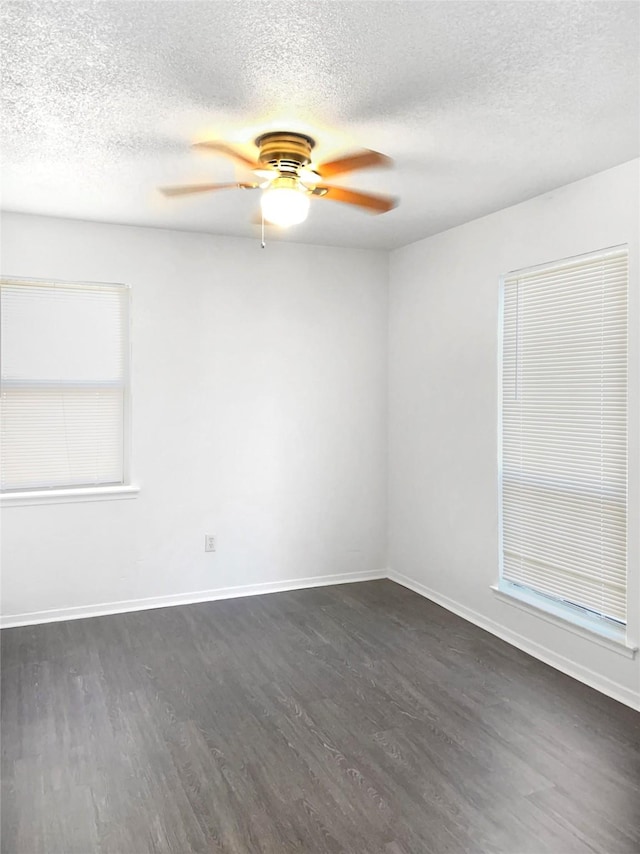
481,104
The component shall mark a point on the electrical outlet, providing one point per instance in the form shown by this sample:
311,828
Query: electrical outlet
209,543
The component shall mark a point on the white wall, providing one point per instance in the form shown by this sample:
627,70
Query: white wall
259,388
443,407
261,409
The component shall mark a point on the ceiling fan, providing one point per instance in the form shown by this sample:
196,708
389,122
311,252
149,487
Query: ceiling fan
285,173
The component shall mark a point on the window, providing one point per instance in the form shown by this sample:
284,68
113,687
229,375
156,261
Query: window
563,453
64,385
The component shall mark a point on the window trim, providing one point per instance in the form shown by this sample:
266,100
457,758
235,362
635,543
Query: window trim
572,618
578,620
89,492
72,495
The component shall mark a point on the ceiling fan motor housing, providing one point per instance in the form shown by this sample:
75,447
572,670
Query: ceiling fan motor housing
288,152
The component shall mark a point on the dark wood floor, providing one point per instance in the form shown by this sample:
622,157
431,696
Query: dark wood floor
359,719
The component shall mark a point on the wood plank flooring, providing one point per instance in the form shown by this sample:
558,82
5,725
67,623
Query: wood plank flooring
356,719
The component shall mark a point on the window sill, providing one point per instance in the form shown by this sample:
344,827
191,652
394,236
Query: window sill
590,628
68,496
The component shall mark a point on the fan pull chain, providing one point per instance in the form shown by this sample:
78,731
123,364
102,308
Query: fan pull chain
262,243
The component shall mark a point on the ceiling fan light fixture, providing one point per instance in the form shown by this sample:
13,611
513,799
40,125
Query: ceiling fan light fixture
285,203
283,169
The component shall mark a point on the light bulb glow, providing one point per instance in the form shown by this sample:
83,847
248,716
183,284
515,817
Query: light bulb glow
284,205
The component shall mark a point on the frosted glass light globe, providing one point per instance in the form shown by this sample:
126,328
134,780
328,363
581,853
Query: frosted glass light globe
284,205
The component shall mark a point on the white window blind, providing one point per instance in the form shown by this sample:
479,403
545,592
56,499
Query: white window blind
564,431
64,384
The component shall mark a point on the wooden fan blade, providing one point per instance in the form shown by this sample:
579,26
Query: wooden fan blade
374,204
204,188
229,151
364,159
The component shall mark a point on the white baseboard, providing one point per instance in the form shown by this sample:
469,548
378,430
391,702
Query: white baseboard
81,612
565,665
